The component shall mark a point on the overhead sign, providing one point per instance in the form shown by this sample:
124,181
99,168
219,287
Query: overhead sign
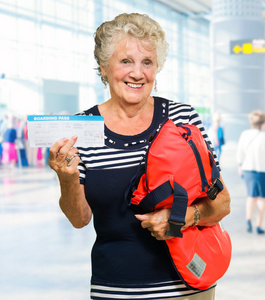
246,47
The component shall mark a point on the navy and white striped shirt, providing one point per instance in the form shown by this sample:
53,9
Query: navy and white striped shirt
127,262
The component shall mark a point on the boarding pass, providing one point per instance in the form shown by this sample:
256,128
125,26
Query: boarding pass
45,130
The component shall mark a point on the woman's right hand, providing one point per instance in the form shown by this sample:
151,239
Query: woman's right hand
72,201
58,153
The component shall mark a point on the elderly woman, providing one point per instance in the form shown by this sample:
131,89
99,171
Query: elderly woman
127,261
251,162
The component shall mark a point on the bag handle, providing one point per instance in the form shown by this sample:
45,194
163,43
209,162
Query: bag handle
179,205
178,211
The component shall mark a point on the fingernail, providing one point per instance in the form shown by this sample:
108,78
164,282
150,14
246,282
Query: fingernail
74,137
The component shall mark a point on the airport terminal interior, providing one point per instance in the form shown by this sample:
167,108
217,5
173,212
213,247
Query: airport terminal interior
215,63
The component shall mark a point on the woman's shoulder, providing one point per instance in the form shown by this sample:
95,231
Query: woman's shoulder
92,111
176,108
180,112
173,103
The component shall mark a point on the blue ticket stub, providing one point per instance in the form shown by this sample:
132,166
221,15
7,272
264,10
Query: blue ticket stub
45,130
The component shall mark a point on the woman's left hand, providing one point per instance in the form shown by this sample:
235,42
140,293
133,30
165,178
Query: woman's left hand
211,212
157,223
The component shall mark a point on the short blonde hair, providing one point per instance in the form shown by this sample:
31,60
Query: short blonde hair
256,118
138,26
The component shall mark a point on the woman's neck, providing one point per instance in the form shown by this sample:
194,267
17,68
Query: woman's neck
127,119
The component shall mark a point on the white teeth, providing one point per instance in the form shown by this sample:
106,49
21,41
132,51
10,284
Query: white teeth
134,85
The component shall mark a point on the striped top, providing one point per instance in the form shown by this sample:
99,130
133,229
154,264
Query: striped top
127,262
116,153
162,290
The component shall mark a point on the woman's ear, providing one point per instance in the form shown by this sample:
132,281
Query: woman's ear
103,71
104,77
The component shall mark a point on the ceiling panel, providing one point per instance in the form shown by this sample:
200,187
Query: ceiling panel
195,8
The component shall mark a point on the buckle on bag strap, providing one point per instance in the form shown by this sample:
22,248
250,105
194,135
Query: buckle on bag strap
179,205
174,229
215,188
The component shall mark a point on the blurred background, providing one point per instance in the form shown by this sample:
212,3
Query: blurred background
215,62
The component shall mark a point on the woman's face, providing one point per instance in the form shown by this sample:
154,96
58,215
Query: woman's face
131,71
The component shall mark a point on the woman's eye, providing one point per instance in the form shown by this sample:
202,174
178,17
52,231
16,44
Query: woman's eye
125,61
147,62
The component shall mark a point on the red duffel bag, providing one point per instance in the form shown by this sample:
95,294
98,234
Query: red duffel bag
179,168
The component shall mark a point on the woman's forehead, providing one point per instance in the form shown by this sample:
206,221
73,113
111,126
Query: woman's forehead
128,44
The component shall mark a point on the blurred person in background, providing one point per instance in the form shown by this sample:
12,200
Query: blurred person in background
1,150
20,142
9,155
34,155
129,260
3,127
216,134
251,166
1,140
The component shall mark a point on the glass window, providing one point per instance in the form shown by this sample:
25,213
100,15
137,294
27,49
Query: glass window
26,62
49,66
8,60
64,40
86,19
64,67
48,36
48,7
26,31
8,27
63,11
83,3
53,39
29,4
9,2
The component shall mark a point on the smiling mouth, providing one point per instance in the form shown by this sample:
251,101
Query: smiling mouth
135,85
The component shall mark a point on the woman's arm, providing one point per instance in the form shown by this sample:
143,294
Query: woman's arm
74,205
211,212
72,201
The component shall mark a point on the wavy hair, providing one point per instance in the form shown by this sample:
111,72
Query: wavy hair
138,26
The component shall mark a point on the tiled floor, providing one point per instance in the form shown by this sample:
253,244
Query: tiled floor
245,278
42,257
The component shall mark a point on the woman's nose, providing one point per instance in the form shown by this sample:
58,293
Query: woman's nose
137,71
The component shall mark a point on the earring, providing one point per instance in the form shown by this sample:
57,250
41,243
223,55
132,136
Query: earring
104,79
155,85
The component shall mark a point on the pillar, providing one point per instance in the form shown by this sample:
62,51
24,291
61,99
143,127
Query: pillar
237,80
